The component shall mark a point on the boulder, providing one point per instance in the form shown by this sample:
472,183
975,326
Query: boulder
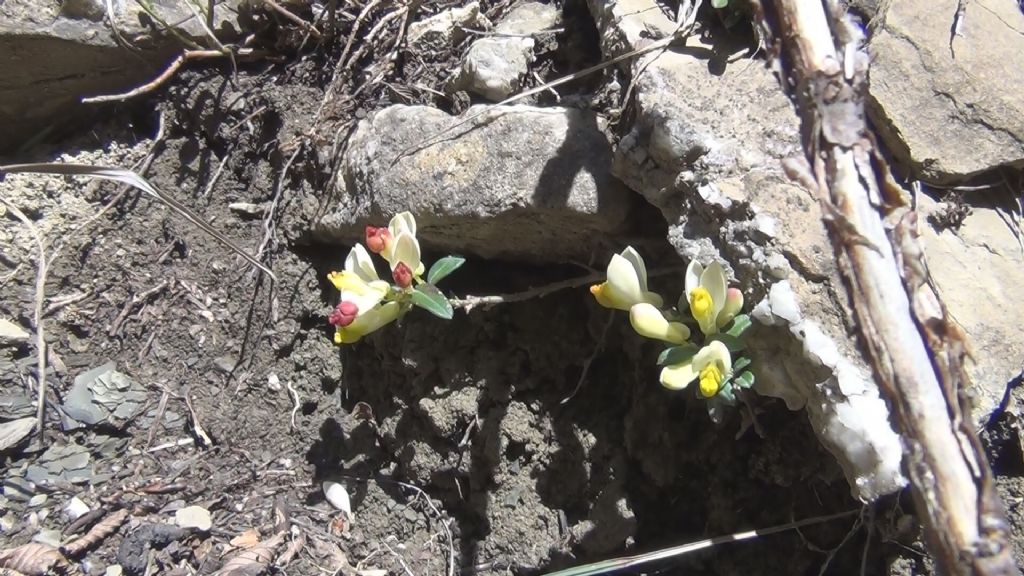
513,182
951,110
57,53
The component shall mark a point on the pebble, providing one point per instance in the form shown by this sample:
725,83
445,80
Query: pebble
194,517
75,508
48,537
37,500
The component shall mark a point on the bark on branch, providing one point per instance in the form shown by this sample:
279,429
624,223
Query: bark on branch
916,350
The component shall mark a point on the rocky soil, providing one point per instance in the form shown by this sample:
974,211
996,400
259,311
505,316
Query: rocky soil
199,418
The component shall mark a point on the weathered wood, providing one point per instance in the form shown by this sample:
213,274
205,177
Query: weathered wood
915,349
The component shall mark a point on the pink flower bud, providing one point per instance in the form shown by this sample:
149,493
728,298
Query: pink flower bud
402,275
377,238
343,314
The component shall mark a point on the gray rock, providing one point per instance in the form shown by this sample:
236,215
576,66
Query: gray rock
444,29
517,182
18,489
494,67
950,117
56,53
11,334
102,395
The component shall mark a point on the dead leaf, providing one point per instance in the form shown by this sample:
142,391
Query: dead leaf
36,559
96,534
253,561
246,539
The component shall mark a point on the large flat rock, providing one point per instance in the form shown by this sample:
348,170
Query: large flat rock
950,113
517,182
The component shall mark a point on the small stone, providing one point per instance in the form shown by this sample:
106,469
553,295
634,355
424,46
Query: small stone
248,209
195,517
48,537
225,363
274,382
75,508
18,489
12,433
114,570
11,334
37,500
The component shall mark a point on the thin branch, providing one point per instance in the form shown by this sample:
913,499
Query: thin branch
41,269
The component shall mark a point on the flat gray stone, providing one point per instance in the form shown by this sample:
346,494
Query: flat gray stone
518,182
950,117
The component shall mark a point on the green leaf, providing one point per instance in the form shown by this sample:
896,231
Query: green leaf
740,363
444,267
428,297
739,325
719,4
731,342
744,380
677,355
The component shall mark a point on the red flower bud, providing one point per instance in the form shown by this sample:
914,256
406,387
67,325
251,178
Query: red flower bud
402,275
377,238
343,314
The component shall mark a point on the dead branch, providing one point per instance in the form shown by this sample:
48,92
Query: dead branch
41,267
915,348
173,67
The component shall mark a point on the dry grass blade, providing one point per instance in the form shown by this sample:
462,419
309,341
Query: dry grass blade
35,560
96,534
252,561
134,179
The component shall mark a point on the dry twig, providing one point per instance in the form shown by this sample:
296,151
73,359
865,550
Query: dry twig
41,268
916,349
96,534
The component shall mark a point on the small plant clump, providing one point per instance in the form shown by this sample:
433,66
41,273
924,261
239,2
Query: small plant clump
368,303
708,304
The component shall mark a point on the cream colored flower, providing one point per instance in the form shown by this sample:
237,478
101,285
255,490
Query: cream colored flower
402,245
360,310
626,285
649,322
712,364
705,295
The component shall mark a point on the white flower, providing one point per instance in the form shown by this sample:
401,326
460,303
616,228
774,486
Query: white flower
712,365
359,261
705,295
627,283
360,310
649,322
402,245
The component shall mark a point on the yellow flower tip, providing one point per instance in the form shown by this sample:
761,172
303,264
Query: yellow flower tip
600,292
701,303
337,336
335,279
710,380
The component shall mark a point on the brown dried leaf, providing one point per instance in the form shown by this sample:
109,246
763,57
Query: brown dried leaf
253,561
246,539
36,559
96,534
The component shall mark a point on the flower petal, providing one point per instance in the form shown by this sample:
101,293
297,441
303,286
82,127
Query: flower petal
354,289
679,376
623,282
649,322
733,305
359,261
403,222
407,251
716,352
713,280
372,320
634,258
693,272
